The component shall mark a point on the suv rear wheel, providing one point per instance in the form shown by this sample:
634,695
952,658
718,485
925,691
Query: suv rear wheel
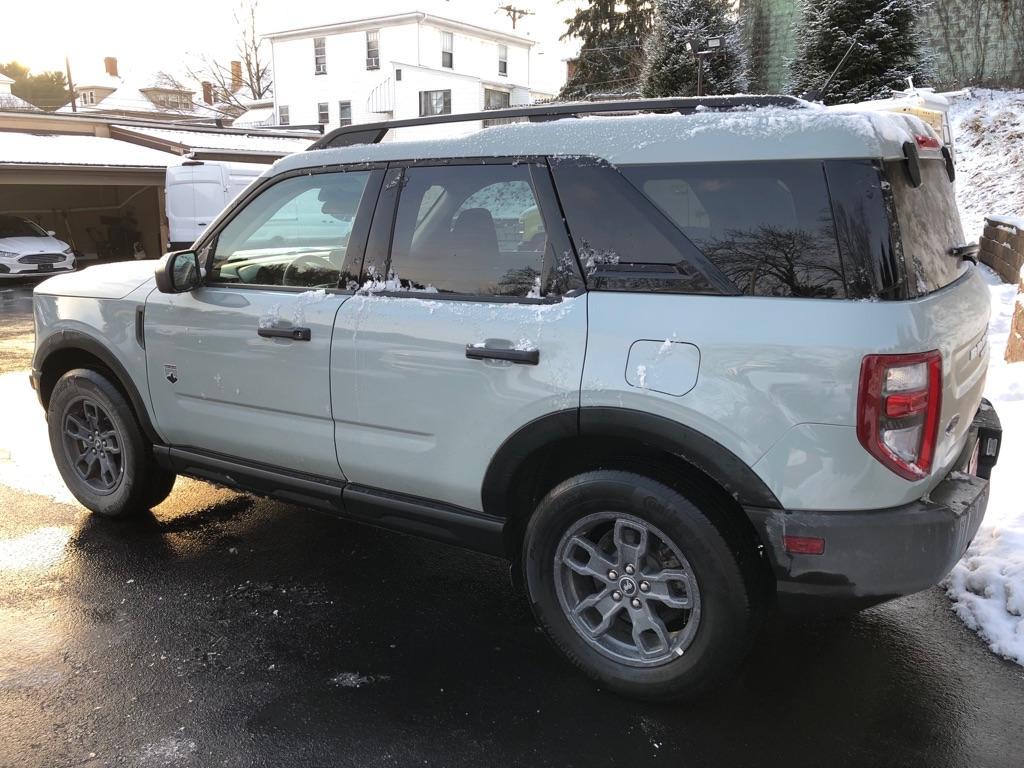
100,449
637,585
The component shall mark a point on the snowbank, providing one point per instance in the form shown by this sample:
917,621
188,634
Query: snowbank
987,585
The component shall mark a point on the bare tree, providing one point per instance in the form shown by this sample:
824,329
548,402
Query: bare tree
254,81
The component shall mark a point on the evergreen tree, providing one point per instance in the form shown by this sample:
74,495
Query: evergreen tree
46,90
887,45
611,54
671,70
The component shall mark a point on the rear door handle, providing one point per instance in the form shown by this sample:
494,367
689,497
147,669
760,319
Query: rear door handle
520,356
295,334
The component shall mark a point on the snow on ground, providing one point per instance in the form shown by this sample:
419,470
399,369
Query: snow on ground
987,585
26,462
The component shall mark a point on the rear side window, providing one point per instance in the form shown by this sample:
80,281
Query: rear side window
624,242
928,223
474,230
766,225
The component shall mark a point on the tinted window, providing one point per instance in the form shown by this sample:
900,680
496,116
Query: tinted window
929,225
624,242
294,233
869,255
470,229
767,226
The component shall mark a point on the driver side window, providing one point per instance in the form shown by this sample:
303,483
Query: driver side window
295,233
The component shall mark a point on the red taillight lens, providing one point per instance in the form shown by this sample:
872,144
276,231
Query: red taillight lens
928,142
898,409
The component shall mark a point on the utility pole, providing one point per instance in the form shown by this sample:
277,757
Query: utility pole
71,86
514,13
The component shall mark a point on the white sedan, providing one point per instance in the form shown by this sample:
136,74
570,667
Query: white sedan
27,250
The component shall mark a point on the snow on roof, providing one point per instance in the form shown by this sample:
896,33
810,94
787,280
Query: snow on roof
771,133
10,102
223,141
33,149
255,117
129,95
5,79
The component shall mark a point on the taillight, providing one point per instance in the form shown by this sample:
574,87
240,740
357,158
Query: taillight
927,142
898,409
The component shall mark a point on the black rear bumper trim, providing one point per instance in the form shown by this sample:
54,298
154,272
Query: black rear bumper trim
875,555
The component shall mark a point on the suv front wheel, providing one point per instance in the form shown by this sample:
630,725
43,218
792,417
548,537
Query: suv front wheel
637,585
100,449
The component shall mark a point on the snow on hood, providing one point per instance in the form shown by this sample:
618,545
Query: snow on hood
103,281
23,245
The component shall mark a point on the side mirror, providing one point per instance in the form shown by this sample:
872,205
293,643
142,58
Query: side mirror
51,233
178,272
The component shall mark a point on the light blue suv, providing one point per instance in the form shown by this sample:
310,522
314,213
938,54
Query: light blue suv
679,360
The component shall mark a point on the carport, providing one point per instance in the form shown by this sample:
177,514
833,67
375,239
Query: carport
103,196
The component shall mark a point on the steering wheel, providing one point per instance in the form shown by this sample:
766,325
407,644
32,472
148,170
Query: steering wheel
293,270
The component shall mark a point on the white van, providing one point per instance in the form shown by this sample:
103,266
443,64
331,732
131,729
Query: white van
197,192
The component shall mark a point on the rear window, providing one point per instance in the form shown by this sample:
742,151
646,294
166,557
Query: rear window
767,226
929,225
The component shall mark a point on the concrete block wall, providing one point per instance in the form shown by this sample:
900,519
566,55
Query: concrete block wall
1002,247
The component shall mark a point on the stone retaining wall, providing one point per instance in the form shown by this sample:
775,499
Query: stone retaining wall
1002,247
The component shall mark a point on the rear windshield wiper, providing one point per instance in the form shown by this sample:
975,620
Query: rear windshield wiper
969,252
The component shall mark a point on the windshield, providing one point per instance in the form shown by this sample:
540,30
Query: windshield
929,225
13,226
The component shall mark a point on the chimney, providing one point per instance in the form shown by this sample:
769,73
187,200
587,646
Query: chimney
110,65
207,92
236,76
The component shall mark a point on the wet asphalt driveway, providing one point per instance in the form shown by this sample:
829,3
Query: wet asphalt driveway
224,630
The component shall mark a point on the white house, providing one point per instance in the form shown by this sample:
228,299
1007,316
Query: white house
160,96
398,66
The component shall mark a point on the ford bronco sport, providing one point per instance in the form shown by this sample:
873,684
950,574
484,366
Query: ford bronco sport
678,360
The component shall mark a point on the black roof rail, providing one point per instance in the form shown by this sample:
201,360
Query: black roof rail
372,133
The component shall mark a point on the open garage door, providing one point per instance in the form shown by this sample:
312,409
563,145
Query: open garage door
104,197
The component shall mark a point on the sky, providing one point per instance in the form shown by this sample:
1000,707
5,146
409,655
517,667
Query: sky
40,34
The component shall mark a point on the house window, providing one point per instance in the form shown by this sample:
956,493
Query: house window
503,60
373,49
435,103
321,113
345,113
320,55
282,116
398,75
447,46
496,99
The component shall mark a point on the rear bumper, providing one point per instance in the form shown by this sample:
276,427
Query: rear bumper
875,555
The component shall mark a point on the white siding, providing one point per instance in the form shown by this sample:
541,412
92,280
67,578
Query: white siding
412,47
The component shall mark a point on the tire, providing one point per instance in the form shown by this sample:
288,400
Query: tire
102,454
599,521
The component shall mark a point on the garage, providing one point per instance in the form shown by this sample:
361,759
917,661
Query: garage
102,196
